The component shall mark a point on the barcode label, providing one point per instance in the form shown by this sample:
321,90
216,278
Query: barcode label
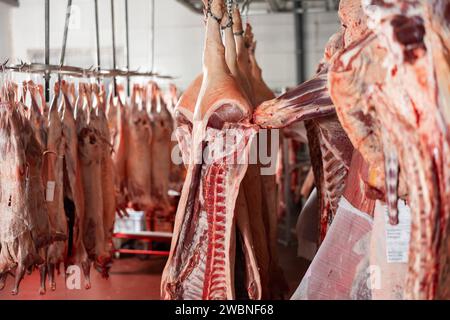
397,237
50,191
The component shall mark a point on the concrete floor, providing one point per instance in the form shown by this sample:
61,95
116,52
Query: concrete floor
134,279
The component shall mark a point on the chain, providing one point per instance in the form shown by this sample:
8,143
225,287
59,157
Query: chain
230,14
209,12
230,7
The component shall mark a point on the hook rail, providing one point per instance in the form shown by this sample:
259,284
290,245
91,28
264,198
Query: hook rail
77,71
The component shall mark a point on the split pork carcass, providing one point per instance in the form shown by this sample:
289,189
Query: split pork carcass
261,90
54,182
262,93
416,95
331,153
73,188
268,179
250,198
35,152
171,98
55,147
24,224
362,127
330,148
243,72
250,194
91,150
407,95
138,159
341,267
207,241
107,174
161,164
347,245
117,124
184,117
177,171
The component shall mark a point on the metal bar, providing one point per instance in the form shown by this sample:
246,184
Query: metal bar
42,68
142,237
149,252
14,3
66,31
127,44
153,35
299,41
113,26
47,49
273,5
97,34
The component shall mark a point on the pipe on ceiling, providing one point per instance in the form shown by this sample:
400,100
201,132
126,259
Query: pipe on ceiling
299,41
273,5
190,6
14,3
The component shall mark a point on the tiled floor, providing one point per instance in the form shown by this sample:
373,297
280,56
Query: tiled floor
132,278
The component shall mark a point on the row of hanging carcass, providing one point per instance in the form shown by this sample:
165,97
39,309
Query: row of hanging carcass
69,168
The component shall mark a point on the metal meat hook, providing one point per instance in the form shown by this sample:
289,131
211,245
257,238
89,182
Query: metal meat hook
4,65
246,8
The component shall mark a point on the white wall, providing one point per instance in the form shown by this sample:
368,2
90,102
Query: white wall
5,32
178,38
318,29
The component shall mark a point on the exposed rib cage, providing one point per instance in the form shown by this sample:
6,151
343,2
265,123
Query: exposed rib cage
330,163
214,193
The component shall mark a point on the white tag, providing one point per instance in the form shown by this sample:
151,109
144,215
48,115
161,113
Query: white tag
397,237
50,191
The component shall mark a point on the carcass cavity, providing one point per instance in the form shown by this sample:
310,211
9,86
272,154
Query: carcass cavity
225,113
410,31
181,119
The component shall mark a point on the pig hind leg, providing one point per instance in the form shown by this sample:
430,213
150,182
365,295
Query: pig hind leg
20,272
43,275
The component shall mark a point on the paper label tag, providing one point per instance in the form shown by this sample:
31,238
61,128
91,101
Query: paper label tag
397,237
50,191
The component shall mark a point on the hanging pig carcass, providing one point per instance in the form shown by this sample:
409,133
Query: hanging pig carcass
207,241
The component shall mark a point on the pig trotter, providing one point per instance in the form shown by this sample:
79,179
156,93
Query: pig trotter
87,277
3,280
51,276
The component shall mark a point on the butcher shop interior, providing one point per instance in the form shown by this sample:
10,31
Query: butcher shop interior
224,150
